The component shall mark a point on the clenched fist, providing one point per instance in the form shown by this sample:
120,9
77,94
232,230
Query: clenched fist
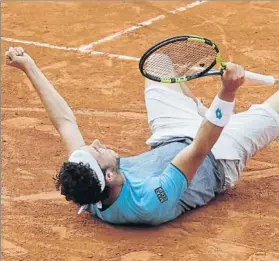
16,57
233,77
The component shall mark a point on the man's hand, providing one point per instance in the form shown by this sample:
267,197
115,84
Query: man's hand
16,57
232,79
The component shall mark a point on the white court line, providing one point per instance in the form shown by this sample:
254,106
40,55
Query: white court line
118,34
85,48
140,25
73,49
84,112
39,44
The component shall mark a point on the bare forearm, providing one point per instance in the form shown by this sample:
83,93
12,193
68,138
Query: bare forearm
208,134
189,159
58,110
56,107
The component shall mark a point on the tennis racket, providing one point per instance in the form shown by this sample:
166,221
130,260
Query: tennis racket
188,57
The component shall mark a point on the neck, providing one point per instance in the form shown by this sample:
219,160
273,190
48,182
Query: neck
114,193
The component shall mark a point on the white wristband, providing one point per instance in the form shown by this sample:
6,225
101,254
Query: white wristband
219,112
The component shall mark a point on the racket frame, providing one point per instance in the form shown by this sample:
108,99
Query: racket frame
204,73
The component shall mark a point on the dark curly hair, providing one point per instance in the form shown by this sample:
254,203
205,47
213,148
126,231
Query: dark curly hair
79,183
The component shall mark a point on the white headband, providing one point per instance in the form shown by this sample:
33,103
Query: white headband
85,157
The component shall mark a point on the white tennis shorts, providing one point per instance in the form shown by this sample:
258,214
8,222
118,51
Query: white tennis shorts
171,114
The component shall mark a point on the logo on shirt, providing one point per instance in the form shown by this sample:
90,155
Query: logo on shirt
161,194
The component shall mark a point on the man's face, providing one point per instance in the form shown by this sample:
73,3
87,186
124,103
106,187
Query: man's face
106,158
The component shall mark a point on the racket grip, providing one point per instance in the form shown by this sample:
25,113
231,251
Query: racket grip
259,78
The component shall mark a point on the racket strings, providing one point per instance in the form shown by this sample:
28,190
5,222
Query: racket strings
178,59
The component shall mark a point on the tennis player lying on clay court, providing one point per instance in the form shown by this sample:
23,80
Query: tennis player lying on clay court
196,152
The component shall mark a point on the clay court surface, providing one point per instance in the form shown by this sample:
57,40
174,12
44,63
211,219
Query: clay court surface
106,94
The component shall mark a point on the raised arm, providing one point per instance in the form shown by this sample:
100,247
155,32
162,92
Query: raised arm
189,159
57,108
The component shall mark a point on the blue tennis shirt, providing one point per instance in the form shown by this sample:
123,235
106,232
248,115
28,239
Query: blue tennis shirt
155,191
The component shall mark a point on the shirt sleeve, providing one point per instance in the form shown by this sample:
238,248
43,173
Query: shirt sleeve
164,191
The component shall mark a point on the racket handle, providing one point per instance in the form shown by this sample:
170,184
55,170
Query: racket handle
259,78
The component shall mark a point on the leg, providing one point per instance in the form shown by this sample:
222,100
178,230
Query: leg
163,61
172,86
273,101
246,134
233,167
170,113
